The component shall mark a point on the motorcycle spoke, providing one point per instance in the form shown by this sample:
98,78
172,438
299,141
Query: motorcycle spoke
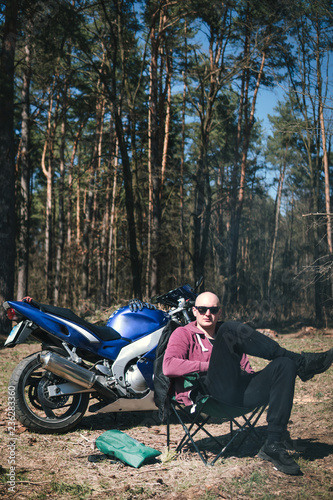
40,407
48,412
36,409
45,412
32,396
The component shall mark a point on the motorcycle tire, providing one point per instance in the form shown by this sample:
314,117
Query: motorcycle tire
34,409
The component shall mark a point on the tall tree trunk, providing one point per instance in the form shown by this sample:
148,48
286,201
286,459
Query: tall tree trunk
96,230
202,211
210,82
154,164
222,203
167,121
104,244
112,229
61,211
150,207
89,210
136,265
7,160
24,199
276,224
310,135
48,172
68,289
238,196
323,138
181,179
130,174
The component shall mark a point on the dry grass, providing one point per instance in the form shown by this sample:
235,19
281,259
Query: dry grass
57,466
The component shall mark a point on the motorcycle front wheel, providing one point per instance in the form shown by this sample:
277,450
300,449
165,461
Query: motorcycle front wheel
34,408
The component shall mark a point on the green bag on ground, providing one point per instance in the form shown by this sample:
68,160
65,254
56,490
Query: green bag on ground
119,445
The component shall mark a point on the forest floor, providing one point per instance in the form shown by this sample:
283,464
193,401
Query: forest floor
66,466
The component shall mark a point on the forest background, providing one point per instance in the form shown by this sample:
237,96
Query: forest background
132,159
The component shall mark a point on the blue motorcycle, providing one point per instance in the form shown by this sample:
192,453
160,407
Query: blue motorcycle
111,365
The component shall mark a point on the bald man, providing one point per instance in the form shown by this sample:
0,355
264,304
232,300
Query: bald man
219,355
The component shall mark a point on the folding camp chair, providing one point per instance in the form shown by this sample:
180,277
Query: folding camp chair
193,419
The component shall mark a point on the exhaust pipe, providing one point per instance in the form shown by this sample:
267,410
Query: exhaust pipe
74,373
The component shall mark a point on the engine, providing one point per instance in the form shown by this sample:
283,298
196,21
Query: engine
135,381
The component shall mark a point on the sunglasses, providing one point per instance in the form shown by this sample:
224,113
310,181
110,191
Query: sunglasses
204,309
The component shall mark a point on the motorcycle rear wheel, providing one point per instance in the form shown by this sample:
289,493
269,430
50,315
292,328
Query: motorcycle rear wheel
40,413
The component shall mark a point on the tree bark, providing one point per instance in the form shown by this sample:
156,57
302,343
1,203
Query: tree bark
89,210
48,171
129,202
201,216
7,160
323,138
276,223
154,164
181,179
61,210
24,199
238,194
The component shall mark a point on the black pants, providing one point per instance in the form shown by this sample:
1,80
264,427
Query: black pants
274,385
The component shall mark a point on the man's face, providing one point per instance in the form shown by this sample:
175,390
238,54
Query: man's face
207,310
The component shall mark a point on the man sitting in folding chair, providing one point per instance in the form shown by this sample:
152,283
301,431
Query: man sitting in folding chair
219,358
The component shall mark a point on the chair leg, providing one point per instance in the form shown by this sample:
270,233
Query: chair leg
246,430
188,437
168,431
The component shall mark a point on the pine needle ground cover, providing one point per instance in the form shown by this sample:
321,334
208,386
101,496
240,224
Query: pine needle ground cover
70,466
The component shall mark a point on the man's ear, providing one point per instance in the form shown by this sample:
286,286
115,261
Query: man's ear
195,312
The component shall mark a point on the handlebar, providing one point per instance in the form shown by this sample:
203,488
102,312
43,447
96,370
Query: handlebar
172,297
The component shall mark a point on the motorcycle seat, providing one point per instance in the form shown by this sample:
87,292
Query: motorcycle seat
105,333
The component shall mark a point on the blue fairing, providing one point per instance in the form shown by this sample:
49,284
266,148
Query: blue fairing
129,324
135,324
146,367
70,332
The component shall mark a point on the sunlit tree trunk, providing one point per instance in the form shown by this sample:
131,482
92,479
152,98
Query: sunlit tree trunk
61,210
323,139
48,171
70,242
167,120
24,198
88,232
111,260
276,223
181,179
154,167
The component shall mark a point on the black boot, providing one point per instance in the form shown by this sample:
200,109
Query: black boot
314,363
281,459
